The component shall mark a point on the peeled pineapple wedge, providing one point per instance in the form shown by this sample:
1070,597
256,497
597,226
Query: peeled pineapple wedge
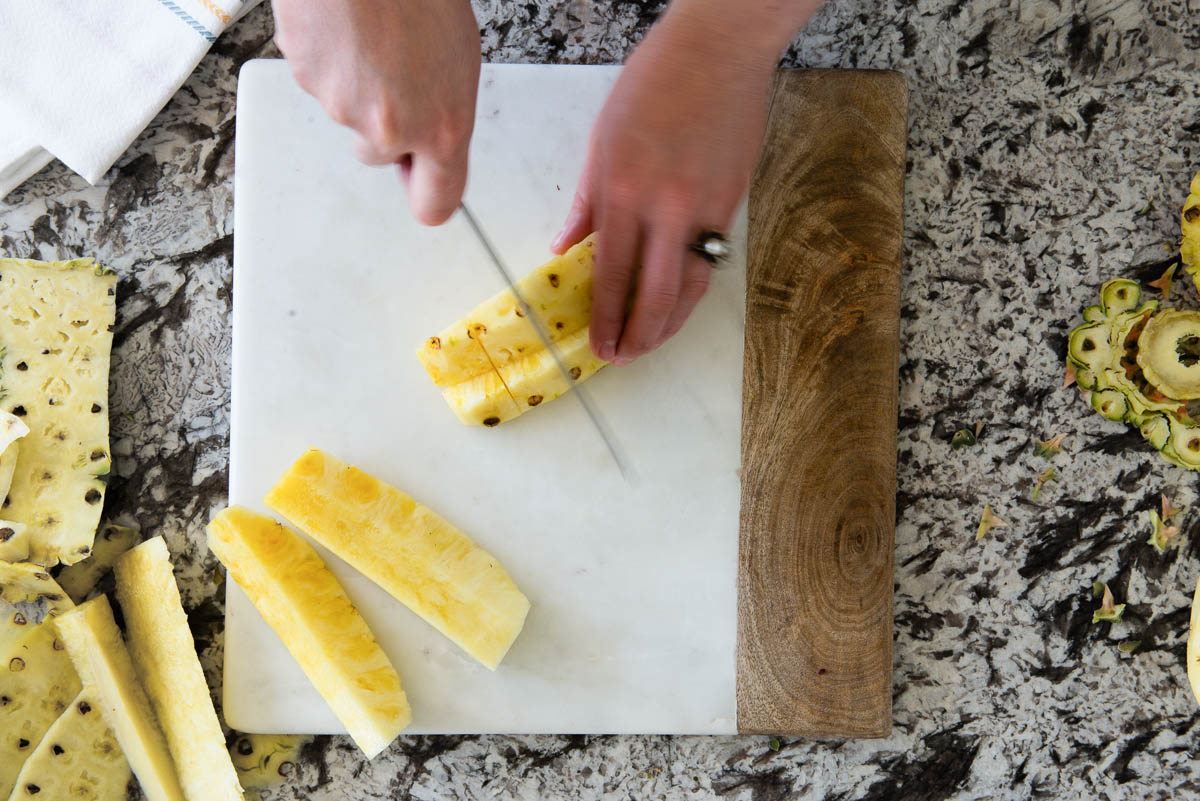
78,759
296,594
103,664
164,655
407,549
478,359
1189,249
56,322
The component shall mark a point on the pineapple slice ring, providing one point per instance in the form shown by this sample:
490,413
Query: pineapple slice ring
1169,353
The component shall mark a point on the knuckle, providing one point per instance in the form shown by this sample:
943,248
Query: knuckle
694,286
609,283
384,128
659,301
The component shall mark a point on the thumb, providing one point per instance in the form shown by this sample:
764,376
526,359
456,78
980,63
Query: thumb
435,188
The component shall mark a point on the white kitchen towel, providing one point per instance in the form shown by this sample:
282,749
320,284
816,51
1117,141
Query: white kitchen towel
80,79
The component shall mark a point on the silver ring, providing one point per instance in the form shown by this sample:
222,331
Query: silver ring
712,246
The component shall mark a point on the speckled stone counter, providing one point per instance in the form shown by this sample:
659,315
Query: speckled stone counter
1050,145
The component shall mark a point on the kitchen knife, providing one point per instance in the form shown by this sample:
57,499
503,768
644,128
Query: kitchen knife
585,398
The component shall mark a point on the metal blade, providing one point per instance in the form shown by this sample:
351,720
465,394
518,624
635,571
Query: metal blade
583,395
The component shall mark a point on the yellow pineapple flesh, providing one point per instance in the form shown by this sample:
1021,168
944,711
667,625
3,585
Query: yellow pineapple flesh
407,549
164,655
537,379
301,600
482,401
1189,251
103,664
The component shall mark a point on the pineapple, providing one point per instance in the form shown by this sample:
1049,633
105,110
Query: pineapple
264,760
425,563
104,666
482,400
14,541
26,582
37,682
77,760
558,292
11,429
297,595
165,657
79,579
56,334
1189,251
537,379
8,467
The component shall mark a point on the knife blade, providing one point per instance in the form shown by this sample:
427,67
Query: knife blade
585,398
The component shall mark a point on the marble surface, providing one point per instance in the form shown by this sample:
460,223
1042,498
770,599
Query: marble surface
1039,134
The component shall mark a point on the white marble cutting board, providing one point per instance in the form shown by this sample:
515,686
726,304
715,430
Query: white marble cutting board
633,624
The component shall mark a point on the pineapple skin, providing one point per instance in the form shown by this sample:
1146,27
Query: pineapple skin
164,655
105,667
303,602
495,333
39,688
79,758
1189,250
407,549
59,388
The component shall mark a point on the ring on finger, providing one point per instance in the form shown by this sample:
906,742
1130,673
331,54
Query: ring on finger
712,246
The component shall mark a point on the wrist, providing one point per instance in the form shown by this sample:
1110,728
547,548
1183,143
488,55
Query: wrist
751,33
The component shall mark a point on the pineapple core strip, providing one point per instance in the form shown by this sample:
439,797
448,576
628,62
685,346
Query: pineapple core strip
164,655
421,560
37,681
56,322
79,758
559,293
103,663
296,594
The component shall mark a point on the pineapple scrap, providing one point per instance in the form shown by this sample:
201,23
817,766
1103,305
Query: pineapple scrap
1044,477
963,438
1163,282
1047,448
79,758
264,760
407,549
1189,219
37,682
1129,646
56,337
1160,532
1108,611
14,541
78,580
1169,509
987,522
103,664
1193,645
27,582
164,655
492,365
1069,376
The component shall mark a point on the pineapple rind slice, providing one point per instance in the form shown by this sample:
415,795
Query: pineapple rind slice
77,760
299,597
14,540
559,293
56,322
104,665
407,549
164,655
1189,217
259,758
34,691
8,467
79,579
27,582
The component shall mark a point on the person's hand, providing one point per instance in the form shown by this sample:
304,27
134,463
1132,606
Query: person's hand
402,75
671,155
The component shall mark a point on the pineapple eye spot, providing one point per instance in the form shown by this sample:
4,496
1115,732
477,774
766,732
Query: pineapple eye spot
97,455
19,411
6,534
575,373
19,619
1188,350
33,789
534,400
92,496
435,343
1192,214
491,421
57,749
1088,345
16,664
244,746
95,408
22,743
554,279
1194,445
22,366
84,707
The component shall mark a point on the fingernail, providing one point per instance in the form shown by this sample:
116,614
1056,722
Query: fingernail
558,240
621,361
607,351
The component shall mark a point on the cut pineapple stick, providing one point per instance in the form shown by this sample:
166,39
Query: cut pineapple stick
482,401
298,597
559,293
425,563
104,666
79,758
56,322
164,655
37,681
79,579
537,379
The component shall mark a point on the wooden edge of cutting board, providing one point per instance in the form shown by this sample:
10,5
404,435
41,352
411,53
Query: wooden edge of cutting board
819,394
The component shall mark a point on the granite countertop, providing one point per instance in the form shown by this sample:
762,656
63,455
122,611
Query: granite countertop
1050,145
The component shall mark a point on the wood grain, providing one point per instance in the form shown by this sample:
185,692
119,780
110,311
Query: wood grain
819,408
